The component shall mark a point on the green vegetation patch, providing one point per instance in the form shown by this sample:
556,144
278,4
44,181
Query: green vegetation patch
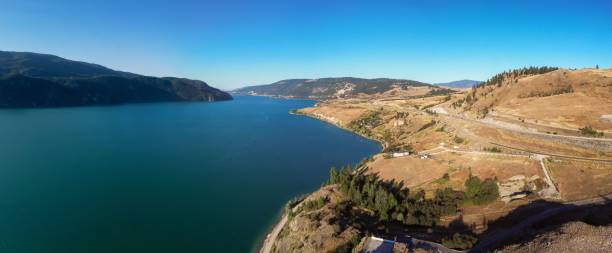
460,241
557,91
458,140
390,201
492,149
364,125
480,192
499,78
427,125
589,131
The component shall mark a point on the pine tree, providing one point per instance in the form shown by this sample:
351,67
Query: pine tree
333,176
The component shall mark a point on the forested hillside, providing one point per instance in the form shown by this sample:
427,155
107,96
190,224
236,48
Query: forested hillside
40,80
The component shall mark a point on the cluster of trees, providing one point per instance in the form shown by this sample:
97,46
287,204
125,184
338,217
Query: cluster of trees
390,201
397,147
471,98
312,204
438,92
480,192
458,103
365,124
556,91
401,115
499,78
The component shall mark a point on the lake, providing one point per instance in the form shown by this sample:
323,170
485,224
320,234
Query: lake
160,177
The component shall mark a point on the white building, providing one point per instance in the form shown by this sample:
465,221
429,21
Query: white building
400,154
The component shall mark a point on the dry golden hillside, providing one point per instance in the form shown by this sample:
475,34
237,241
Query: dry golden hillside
564,99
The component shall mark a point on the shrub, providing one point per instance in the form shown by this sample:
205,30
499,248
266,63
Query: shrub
446,177
458,140
589,131
556,91
493,149
348,246
427,125
312,205
459,241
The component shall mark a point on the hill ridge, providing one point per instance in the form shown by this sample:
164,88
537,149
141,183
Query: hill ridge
336,87
43,80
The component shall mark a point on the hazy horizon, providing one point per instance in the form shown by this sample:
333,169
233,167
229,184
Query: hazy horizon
239,43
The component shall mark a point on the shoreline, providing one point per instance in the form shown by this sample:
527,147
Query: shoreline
265,246
266,242
380,143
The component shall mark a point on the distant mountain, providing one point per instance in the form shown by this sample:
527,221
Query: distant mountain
42,80
460,84
330,87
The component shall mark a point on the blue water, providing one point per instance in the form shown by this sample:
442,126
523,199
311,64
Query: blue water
161,177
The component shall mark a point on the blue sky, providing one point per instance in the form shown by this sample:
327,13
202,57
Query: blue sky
233,43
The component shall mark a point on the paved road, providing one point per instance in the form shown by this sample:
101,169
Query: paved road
522,130
555,155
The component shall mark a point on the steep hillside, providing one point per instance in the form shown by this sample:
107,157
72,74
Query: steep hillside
585,230
50,66
571,237
340,88
566,99
37,80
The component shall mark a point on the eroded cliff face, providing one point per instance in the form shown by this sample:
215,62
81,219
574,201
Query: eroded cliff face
316,224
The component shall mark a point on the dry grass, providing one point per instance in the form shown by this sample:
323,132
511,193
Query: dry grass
426,174
578,180
337,114
591,98
509,138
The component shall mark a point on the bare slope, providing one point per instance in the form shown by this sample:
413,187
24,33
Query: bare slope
565,99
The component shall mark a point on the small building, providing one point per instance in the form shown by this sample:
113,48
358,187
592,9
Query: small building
378,245
400,154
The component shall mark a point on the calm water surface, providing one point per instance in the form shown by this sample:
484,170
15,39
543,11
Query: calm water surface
163,177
